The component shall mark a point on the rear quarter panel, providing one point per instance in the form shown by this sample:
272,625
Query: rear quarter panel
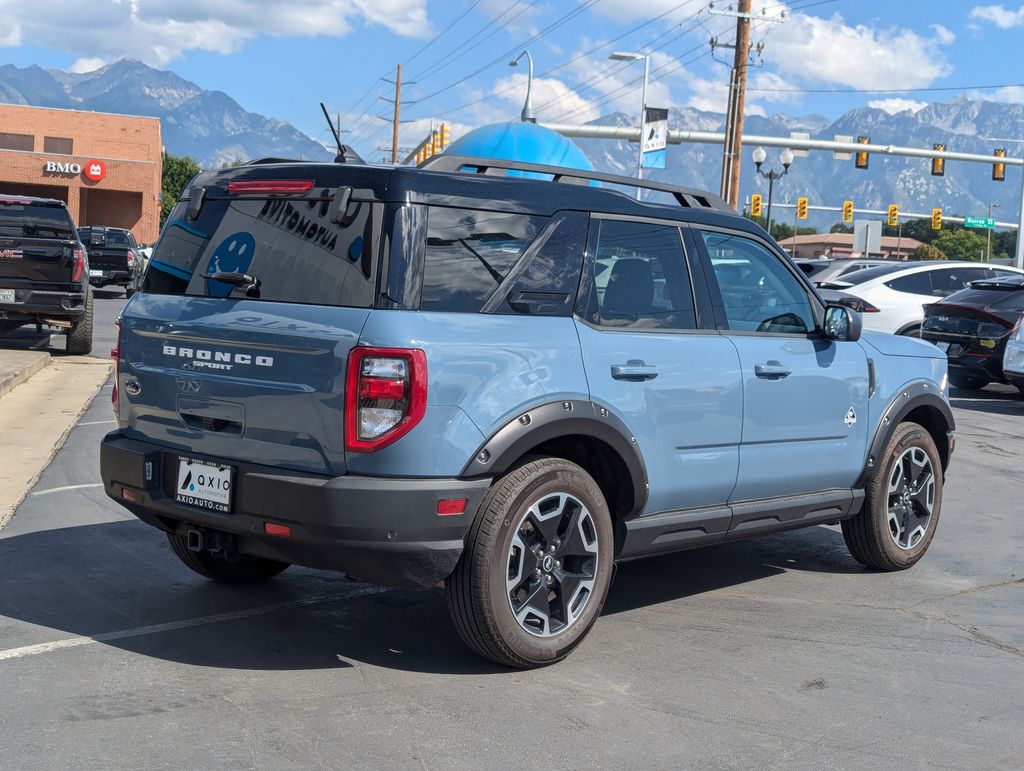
483,370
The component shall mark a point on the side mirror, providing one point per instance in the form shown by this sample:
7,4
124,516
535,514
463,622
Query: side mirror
842,324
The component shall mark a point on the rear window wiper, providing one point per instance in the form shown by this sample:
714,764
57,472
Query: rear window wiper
251,284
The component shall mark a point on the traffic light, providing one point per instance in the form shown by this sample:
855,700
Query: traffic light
938,164
446,137
847,211
755,205
435,142
860,160
801,208
894,215
999,168
936,219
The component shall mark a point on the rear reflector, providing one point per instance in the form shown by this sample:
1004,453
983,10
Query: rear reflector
270,186
130,495
272,528
451,506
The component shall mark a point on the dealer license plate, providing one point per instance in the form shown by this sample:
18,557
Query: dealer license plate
95,273
204,485
6,295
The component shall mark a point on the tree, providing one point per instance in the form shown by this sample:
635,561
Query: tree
178,172
928,252
841,227
961,245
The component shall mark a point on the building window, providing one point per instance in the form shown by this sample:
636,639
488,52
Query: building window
57,145
16,142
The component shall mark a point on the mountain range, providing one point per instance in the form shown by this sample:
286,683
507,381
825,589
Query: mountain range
208,125
213,128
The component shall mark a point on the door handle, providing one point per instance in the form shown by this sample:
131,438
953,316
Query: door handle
772,370
634,370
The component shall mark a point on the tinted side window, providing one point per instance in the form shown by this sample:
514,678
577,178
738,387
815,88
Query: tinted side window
915,283
549,273
949,280
469,253
758,292
640,278
291,245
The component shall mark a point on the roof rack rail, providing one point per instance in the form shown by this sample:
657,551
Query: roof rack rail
687,197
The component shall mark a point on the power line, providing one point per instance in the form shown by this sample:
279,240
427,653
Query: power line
443,32
885,90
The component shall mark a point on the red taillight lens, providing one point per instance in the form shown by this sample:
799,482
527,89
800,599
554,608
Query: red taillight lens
131,258
77,265
385,396
115,354
272,528
270,186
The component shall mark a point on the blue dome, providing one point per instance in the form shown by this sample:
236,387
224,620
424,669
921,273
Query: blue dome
525,142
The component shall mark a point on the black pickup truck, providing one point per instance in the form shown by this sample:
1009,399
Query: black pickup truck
114,257
44,270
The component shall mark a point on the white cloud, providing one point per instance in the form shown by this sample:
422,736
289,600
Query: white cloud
1008,94
158,31
944,35
827,50
86,65
895,105
551,98
998,15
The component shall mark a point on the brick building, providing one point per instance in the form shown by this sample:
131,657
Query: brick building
106,167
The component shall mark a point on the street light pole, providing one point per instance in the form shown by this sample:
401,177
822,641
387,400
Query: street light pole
527,114
622,56
771,175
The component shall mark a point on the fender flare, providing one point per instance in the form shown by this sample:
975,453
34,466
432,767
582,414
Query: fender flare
554,420
921,393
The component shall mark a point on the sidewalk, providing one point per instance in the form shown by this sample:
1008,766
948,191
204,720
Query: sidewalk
18,366
41,400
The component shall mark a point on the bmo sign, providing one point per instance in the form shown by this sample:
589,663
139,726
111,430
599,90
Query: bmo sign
94,171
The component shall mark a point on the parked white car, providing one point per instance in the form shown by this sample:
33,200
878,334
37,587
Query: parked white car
894,295
1013,358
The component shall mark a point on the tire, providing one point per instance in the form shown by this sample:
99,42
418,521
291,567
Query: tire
79,338
872,535
911,332
968,383
243,570
505,536
9,326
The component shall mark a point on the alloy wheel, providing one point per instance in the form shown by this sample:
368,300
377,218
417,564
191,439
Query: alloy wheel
911,498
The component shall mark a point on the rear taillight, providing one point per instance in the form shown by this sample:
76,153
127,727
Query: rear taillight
385,396
270,186
77,265
115,355
131,258
859,305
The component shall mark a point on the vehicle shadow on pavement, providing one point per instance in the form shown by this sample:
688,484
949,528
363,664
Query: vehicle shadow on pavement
114,580
1004,401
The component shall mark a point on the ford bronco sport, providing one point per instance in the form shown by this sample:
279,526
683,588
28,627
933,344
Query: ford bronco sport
505,384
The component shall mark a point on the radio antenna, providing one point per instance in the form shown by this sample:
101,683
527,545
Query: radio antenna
337,139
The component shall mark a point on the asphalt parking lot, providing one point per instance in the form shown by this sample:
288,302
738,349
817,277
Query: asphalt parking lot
780,652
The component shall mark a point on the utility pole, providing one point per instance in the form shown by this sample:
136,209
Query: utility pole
734,114
398,107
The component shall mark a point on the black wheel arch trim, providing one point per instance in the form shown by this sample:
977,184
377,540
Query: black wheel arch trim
920,393
554,420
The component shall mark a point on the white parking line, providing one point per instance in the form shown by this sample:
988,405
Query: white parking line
171,626
66,487
96,422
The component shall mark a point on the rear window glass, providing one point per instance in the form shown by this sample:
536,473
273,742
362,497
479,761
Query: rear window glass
289,245
863,276
469,253
34,221
109,237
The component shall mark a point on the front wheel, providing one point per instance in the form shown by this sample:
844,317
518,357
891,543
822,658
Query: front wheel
537,565
902,503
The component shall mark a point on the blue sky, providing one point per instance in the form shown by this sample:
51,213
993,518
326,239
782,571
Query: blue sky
281,59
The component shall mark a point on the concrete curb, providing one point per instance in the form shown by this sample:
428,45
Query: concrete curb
34,361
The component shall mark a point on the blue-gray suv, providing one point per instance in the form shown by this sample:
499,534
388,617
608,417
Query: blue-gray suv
505,377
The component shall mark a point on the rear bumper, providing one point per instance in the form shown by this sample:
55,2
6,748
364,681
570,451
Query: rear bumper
382,530
970,359
119,277
32,304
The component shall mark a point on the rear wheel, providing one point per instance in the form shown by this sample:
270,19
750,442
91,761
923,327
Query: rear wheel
902,504
912,331
537,565
967,382
79,339
243,569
